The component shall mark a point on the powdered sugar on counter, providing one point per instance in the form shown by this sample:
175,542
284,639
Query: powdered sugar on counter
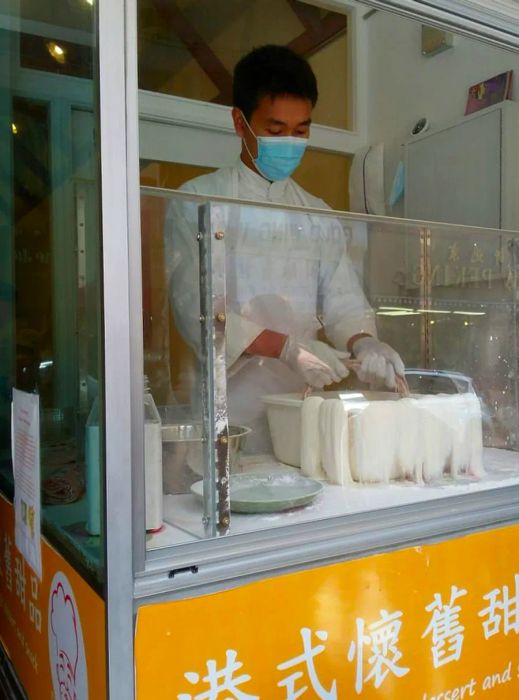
501,470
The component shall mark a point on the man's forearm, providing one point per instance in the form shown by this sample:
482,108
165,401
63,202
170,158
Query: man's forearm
267,344
270,343
357,336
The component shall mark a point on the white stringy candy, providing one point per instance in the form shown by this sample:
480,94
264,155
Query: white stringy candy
310,438
475,437
436,437
374,441
409,452
333,428
456,420
417,438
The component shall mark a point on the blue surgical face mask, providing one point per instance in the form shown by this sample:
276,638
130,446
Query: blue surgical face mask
278,156
398,186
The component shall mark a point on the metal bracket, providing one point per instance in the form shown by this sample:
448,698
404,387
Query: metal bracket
217,507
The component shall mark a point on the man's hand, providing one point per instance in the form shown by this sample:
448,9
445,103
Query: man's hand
316,362
379,362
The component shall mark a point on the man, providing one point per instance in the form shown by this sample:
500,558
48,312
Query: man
287,273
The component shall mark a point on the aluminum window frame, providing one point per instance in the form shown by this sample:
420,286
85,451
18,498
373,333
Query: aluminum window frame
472,18
120,212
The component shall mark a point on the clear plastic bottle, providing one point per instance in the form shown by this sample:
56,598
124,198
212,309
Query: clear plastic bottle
152,466
93,472
152,461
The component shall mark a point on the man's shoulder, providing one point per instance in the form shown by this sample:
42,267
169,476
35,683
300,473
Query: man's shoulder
219,183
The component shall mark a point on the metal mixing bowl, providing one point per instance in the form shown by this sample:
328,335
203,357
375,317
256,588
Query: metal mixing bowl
182,454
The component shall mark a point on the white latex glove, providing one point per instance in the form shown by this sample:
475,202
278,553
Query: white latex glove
317,363
379,362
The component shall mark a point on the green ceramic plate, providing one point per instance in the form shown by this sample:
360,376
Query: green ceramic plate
267,492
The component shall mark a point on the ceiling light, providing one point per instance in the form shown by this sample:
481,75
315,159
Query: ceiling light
433,311
398,312
89,2
14,128
470,313
394,308
56,51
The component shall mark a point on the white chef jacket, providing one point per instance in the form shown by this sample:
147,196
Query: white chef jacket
285,271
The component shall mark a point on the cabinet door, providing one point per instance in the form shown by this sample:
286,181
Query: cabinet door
454,175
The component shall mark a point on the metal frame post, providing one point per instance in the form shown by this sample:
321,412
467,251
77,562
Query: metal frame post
217,508
7,346
426,294
124,432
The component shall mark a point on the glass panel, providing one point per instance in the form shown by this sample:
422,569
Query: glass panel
302,289
475,281
189,48
50,265
174,448
324,174
442,297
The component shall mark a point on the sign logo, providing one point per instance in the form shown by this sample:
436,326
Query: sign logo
66,647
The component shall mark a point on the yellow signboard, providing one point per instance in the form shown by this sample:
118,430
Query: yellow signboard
53,629
438,622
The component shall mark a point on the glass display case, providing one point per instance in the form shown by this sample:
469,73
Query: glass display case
245,445
249,411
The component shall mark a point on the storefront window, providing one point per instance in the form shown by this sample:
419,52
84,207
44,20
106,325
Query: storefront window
444,305
439,295
50,265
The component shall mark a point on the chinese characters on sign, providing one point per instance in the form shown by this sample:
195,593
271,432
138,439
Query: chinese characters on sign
382,639
502,611
374,650
25,585
445,628
307,659
219,681
40,623
477,265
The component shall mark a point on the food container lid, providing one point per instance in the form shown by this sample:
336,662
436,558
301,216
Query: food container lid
294,400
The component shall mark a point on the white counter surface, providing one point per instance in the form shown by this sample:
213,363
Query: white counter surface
183,513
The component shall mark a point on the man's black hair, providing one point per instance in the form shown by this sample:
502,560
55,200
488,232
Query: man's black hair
271,71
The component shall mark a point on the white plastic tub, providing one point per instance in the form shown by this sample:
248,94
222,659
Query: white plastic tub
421,438
284,418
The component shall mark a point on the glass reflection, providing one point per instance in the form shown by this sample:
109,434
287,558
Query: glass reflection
49,265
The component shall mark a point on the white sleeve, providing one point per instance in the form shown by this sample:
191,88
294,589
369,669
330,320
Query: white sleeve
344,307
182,269
239,334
